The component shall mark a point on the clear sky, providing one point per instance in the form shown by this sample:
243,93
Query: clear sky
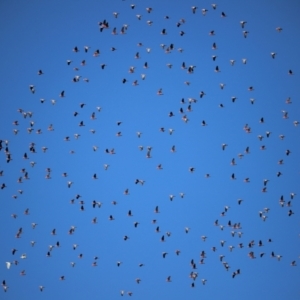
41,35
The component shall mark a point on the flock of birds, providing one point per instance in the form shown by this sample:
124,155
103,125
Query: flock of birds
234,227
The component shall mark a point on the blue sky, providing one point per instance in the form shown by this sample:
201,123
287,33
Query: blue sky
40,35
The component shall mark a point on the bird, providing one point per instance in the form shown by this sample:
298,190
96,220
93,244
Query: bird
171,197
245,33
160,92
32,88
288,100
41,288
203,237
243,23
138,280
163,32
235,273
204,11
119,263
